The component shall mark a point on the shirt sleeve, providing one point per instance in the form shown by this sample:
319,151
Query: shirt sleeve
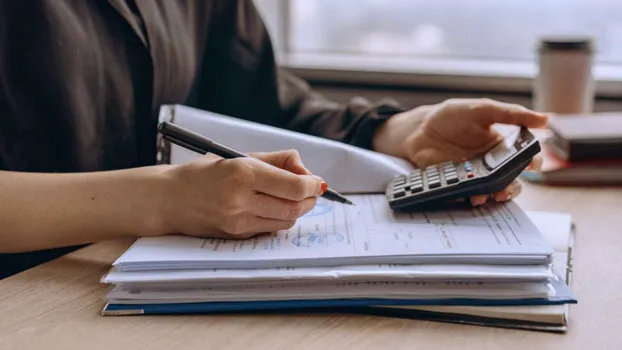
240,78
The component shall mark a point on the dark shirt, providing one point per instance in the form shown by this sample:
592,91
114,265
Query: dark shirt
81,83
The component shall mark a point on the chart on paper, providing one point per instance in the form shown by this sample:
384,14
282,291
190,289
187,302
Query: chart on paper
371,226
360,234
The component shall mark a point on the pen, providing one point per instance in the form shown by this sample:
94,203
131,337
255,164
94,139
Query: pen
200,144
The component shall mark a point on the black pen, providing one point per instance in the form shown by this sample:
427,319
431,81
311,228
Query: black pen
200,144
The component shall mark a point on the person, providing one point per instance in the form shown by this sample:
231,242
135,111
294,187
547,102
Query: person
81,83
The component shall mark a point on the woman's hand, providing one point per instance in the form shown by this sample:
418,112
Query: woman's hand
454,130
239,198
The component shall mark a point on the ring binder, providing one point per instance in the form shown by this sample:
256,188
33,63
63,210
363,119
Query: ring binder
163,155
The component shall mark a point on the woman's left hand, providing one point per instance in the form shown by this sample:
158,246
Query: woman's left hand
454,130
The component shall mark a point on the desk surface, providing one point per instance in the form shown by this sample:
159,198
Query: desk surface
57,305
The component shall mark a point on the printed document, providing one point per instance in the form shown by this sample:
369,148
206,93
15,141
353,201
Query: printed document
367,233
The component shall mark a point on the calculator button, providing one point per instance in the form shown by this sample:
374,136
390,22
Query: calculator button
399,187
416,188
434,184
399,194
452,179
400,182
468,167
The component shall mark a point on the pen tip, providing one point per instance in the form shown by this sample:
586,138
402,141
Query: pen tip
348,202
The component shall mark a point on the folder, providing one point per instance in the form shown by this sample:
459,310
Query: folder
362,258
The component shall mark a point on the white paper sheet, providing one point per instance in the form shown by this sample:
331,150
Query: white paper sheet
368,233
345,168
384,290
557,229
382,272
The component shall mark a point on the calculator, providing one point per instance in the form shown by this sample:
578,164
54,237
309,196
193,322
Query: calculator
441,184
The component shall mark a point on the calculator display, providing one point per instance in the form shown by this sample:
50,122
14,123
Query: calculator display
504,150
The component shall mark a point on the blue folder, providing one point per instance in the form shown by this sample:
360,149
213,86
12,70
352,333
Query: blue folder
563,295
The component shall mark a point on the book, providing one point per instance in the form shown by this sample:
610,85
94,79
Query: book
557,171
580,138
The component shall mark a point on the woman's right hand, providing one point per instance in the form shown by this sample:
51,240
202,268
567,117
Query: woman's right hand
238,198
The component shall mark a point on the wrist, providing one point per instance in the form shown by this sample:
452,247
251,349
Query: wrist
391,137
152,199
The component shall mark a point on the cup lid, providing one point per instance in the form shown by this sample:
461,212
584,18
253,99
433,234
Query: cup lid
567,44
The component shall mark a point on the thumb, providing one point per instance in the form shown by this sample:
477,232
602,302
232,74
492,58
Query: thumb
511,114
287,160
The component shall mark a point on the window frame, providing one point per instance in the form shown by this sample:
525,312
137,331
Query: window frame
498,76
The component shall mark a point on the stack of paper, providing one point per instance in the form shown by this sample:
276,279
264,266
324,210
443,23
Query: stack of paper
346,256
486,265
558,230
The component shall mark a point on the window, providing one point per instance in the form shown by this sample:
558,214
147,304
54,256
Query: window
492,37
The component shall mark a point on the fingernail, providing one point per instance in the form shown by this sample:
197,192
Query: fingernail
508,197
323,188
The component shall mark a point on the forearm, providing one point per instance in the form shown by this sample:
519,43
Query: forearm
353,122
41,211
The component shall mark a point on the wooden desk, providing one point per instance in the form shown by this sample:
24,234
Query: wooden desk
57,305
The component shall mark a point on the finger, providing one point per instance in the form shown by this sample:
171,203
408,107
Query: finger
491,112
536,164
479,199
282,209
283,184
513,190
288,160
503,196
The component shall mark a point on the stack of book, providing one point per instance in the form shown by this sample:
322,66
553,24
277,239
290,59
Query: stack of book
363,258
581,150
